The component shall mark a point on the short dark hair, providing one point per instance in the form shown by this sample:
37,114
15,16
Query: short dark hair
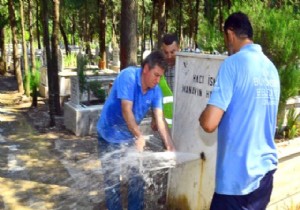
170,38
155,58
240,24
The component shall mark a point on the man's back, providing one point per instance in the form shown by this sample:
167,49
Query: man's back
250,94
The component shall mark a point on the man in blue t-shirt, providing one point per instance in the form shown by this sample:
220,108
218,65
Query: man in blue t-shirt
133,93
243,106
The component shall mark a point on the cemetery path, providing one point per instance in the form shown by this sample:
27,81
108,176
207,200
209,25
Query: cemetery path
44,168
41,167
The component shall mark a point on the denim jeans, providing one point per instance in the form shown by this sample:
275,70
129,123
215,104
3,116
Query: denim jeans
256,200
111,155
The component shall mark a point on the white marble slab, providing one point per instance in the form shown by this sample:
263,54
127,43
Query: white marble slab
195,78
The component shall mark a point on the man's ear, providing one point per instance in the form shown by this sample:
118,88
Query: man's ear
230,35
146,68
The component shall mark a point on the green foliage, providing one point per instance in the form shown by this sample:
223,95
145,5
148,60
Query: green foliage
70,60
210,38
38,64
290,84
35,75
293,128
97,90
81,68
276,29
34,79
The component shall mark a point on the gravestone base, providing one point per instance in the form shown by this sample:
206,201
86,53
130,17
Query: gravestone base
114,68
43,90
64,82
82,121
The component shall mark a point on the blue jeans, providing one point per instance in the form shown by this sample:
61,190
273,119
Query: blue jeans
111,161
256,200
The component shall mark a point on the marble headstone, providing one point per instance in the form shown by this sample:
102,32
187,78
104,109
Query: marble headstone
194,79
116,57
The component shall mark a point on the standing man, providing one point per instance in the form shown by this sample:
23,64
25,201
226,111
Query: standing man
133,93
170,45
243,106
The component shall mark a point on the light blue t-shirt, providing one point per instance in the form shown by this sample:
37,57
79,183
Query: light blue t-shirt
247,89
111,124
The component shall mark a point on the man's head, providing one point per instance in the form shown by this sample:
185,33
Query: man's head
170,45
237,32
154,66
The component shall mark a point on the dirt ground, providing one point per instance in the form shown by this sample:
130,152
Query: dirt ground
48,168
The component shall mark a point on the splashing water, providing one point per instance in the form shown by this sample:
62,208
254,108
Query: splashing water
148,161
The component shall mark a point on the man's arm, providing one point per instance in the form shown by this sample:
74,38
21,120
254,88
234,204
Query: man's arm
163,129
132,125
210,118
153,121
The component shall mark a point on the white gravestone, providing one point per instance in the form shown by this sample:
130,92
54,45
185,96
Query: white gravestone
194,180
60,60
75,91
116,57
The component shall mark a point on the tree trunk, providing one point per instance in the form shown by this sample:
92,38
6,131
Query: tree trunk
73,29
31,38
208,11
128,39
16,58
46,42
161,22
179,25
54,44
86,31
32,57
64,35
152,23
143,30
196,22
220,7
37,12
3,52
191,24
102,27
24,48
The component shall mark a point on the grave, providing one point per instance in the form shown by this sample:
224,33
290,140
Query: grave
292,103
80,115
115,65
194,79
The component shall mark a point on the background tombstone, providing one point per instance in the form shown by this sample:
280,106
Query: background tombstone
194,180
116,56
60,60
97,51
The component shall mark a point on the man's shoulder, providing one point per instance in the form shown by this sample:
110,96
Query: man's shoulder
130,70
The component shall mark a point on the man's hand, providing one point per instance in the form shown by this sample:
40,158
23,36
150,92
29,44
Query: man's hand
140,143
163,129
171,147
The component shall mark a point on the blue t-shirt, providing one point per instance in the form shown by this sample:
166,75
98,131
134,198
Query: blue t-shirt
247,89
111,124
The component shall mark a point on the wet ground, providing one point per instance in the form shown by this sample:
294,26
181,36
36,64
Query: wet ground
50,168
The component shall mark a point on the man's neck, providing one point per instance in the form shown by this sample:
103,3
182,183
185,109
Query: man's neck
243,43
